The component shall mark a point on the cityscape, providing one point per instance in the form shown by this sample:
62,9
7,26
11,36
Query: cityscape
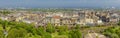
92,23
59,18
70,17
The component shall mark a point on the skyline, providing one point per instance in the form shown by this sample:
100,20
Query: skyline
59,3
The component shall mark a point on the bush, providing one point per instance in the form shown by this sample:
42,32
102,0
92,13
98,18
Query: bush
1,34
75,34
50,28
113,32
41,31
17,33
46,35
62,30
119,23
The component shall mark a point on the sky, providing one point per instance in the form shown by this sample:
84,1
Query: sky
59,3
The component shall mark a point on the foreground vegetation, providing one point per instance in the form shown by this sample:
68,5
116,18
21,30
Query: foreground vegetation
113,32
9,29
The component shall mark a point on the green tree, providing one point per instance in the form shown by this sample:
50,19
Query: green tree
46,35
50,28
75,34
112,32
5,12
77,26
1,34
62,30
17,33
119,23
41,31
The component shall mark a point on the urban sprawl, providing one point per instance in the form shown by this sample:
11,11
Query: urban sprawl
76,16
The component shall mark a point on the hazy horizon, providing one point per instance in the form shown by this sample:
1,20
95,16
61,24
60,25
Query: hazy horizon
59,3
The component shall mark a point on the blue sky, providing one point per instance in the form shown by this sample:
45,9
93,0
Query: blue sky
59,3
